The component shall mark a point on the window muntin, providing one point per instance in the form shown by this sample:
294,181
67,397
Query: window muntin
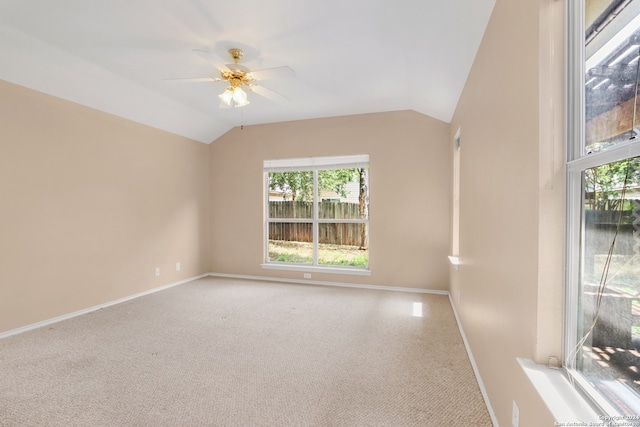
340,244
602,343
317,212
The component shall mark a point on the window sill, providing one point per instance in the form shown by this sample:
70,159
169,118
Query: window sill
563,400
315,269
455,261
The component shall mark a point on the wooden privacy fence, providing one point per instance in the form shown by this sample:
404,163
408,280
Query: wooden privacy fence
337,234
297,209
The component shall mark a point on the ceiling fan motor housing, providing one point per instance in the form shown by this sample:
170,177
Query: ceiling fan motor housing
236,54
237,77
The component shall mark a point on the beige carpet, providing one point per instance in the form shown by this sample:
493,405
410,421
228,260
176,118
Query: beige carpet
222,352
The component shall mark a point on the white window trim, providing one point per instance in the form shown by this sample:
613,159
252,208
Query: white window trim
567,395
575,386
454,258
353,271
563,400
310,164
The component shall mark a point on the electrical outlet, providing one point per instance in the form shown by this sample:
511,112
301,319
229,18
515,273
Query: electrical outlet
515,415
157,271
177,266
307,275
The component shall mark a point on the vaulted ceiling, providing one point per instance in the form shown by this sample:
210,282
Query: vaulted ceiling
349,57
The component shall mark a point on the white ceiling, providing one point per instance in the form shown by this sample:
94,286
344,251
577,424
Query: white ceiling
349,56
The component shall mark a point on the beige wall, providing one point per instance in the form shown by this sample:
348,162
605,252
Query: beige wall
509,282
90,205
410,170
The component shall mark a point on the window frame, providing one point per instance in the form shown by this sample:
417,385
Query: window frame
578,161
314,164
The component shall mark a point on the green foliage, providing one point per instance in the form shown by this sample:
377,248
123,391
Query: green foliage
337,179
604,183
329,255
298,185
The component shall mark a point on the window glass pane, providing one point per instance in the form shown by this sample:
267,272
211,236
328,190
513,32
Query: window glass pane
343,193
611,78
290,242
290,209
610,282
291,194
323,198
343,244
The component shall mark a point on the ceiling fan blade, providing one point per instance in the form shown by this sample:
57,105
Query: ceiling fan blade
207,56
237,67
273,73
269,94
193,80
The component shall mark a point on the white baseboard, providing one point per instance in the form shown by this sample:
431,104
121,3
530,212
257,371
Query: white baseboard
483,390
94,308
325,283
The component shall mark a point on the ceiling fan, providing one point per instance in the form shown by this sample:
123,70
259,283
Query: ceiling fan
240,78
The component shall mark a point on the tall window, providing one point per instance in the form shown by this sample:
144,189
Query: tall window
602,336
317,213
455,238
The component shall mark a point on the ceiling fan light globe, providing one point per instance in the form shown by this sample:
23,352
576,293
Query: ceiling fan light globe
242,104
226,96
239,96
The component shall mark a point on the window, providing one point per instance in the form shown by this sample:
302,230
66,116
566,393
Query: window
317,214
602,304
454,258
455,238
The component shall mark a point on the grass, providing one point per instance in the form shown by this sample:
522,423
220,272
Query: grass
302,253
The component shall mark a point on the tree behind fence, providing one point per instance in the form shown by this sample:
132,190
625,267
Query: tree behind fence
338,234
